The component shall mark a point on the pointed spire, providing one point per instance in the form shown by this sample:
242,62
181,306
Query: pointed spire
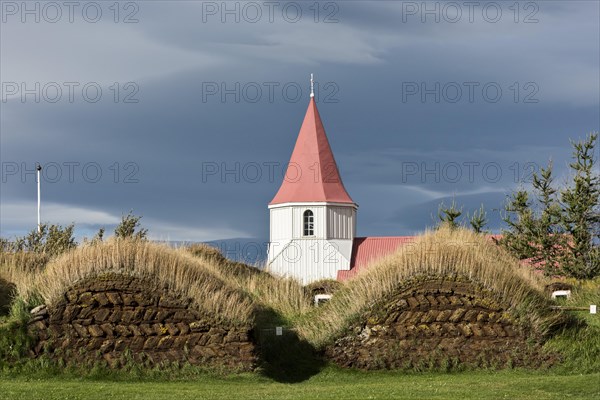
312,86
312,174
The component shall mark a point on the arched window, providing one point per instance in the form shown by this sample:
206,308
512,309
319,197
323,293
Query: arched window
309,223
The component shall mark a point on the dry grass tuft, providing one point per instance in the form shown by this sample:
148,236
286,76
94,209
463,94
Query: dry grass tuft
324,286
206,252
287,297
219,264
21,268
440,253
157,264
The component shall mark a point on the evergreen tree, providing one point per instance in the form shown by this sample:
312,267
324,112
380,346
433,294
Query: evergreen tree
521,225
561,236
478,220
534,231
548,238
581,212
449,215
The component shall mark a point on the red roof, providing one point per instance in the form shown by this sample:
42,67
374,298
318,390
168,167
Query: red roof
368,249
312,174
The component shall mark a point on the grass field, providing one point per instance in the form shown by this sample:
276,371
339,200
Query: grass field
329,384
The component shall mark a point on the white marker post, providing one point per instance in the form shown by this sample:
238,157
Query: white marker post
39,180
592,309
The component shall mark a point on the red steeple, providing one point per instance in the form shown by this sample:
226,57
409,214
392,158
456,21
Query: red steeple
312,174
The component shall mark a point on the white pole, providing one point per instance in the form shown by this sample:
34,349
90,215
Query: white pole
39,224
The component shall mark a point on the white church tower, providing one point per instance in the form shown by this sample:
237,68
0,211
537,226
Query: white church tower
312,217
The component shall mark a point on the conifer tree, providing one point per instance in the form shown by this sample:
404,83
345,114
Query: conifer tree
449,215
581,212
521,225
548,239
560,231
478,220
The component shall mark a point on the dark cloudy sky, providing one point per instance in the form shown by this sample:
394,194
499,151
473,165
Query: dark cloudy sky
200,107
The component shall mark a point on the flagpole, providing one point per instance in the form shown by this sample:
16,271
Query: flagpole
39,224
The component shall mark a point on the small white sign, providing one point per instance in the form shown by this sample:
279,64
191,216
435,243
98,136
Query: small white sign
278,330
561,293
592,309
321,298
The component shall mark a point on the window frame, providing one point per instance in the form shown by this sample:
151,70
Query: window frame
308,223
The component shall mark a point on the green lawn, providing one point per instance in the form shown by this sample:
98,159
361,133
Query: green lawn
329,384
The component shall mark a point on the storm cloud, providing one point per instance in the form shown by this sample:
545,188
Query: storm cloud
187,112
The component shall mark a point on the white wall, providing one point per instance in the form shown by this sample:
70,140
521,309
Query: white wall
311,258
341,222
281,223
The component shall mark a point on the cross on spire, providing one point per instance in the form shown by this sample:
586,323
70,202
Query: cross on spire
312,86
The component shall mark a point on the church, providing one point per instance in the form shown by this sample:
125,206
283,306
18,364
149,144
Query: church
313,218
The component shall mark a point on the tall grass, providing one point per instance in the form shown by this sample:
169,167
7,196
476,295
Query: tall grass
14,340
285,296
19,269
441,253
199,272
580,344
157,264
584,293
